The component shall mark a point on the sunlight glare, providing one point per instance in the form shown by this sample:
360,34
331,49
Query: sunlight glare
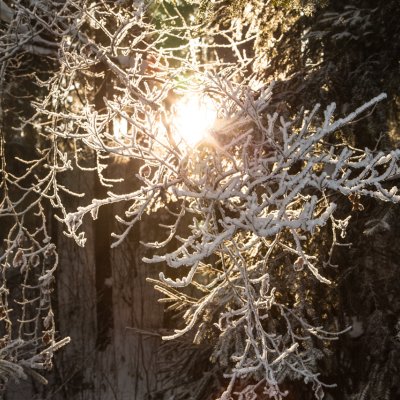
120,127
193,118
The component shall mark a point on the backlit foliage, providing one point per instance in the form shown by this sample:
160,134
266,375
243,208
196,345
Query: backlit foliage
242,210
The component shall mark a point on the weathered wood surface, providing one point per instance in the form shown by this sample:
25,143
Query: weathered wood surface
107,307
76,307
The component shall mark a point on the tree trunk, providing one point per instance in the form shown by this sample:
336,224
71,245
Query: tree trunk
108,309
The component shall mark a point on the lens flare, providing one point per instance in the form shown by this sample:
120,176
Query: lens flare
193,119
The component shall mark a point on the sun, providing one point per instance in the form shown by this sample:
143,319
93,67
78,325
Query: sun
193,119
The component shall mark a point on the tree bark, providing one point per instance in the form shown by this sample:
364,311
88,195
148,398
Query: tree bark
108,309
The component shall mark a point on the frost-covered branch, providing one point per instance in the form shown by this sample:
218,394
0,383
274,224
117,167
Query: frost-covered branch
241,208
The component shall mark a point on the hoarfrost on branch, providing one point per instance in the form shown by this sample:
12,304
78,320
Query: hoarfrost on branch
241,209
